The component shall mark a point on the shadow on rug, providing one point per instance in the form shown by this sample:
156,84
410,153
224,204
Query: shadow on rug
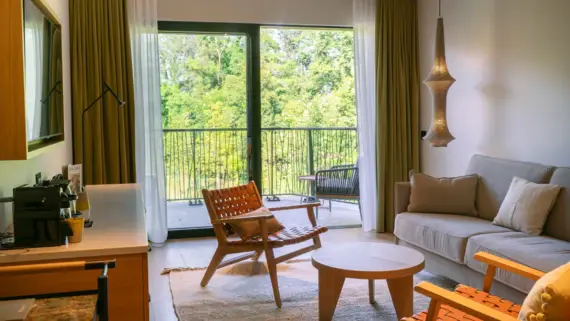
243,292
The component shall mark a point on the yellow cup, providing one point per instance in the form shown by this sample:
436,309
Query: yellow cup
76,225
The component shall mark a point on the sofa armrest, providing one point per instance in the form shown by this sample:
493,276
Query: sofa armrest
402,196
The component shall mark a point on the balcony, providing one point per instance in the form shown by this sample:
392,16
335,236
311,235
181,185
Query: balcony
197,159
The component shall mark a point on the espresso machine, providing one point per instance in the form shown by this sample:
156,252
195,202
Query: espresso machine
40,213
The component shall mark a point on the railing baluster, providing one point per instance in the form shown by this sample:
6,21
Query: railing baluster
310,150
195,179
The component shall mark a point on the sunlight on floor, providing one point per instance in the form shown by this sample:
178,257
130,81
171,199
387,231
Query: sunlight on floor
181,215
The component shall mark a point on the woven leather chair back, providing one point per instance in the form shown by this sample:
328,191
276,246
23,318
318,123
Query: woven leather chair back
233,201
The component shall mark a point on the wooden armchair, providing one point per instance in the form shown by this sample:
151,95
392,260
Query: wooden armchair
236,204
469,304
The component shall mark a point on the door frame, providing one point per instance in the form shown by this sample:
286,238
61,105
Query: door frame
253,93
253,87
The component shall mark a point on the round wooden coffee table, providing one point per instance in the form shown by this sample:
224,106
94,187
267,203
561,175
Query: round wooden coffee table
370,261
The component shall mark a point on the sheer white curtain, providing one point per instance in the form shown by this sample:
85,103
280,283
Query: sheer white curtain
34,45
148,129
364,19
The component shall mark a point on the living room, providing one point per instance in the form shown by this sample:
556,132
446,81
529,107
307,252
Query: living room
265,159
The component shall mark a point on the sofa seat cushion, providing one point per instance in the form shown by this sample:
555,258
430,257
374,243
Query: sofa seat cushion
539,252
442,234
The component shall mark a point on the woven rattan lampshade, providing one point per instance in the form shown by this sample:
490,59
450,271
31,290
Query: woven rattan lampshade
439,81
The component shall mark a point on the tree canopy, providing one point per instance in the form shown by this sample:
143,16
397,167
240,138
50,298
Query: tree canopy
307,79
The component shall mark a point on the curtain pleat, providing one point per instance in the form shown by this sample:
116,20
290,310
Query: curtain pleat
101,54
143,25
397,78
364,13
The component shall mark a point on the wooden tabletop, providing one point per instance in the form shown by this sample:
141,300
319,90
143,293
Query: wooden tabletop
366,260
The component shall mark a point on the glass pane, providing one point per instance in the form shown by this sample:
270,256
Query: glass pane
204,105
308,114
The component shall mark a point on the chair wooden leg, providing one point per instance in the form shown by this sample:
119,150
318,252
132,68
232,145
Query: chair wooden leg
255,258
216,260
317,241
273,274
433,310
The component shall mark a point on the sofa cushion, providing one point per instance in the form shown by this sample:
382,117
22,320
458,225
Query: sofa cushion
442,234
526,206
448,195
540,252
558,222
495,176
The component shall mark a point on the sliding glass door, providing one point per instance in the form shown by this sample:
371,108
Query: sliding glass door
245,102
207,88
308,117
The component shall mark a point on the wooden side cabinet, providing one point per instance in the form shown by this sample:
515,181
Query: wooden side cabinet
19,140
128,284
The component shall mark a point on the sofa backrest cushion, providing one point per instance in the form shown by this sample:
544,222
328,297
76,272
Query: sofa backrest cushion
558,222
495,177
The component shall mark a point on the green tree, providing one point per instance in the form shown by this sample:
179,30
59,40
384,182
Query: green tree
307,80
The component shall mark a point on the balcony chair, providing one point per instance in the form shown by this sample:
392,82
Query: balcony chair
467,303
338,183
235,204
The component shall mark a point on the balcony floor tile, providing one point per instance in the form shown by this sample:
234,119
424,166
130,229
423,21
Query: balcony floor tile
181,215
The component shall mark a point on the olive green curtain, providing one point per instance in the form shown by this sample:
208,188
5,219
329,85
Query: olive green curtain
55,98
397,78
100,53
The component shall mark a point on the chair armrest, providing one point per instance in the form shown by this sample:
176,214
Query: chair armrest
508,265
402,192
293,207
244,218
459,302
342,166
332,171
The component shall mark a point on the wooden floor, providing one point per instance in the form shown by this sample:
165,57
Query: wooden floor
198,252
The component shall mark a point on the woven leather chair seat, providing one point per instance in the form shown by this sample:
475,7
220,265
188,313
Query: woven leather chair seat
286,236
447,313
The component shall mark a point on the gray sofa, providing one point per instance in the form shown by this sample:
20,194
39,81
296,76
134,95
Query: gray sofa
449,242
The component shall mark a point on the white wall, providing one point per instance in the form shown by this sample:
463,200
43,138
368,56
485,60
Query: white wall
511,59
292,12
15,173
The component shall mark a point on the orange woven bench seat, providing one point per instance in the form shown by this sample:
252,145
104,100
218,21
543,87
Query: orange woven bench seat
286,236
447,313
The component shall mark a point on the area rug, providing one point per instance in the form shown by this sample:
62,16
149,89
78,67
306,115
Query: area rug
243,292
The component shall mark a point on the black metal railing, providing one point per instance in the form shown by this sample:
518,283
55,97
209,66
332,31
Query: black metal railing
217,158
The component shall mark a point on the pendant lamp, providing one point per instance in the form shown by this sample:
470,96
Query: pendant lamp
439,81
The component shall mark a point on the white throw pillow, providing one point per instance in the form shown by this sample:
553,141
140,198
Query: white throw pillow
526,206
